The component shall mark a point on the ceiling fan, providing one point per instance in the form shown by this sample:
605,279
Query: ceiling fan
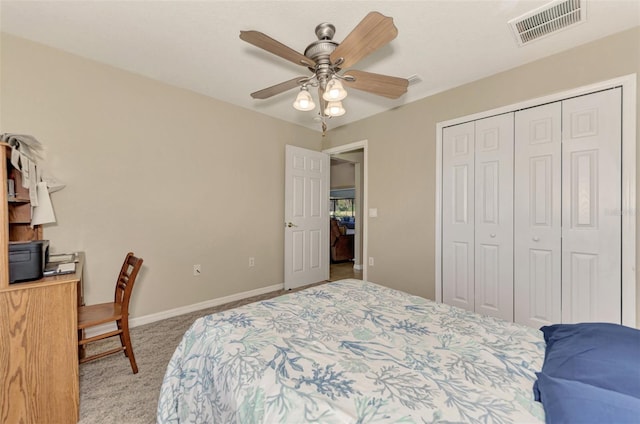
326,59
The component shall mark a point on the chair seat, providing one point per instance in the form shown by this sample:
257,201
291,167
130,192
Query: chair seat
101,313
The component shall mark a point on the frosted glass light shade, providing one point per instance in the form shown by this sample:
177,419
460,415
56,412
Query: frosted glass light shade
304,101
334,91
334,109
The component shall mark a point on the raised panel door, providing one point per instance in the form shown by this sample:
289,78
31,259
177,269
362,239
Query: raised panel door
494,216
591,208
537,238
458,215
306,217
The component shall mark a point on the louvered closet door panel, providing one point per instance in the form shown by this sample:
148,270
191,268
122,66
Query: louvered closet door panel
591,205
458,216
494,216
537,226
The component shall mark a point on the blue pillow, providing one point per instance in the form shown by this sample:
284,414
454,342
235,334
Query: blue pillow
600,354
567,401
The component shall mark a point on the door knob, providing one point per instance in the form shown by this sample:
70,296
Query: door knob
290,224
536,238
492,235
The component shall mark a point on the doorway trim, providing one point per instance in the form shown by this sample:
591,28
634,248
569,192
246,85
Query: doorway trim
346,148
628,212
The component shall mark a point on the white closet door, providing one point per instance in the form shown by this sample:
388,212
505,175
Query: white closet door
537,242
458,216
591,208
494,216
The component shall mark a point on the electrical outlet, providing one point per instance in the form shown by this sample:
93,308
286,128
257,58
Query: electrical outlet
197,270
370,260
252,262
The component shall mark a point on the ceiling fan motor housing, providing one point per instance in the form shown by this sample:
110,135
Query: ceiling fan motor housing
320,51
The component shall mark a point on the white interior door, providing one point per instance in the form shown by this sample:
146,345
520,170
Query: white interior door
306,219
591,207
537,242
458,215
493,292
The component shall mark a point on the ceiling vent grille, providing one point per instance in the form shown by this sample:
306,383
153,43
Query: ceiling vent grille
414,79
548,19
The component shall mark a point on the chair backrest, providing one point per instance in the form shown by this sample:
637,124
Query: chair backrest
126,279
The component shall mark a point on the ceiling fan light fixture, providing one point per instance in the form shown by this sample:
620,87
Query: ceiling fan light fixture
325,58
334,92
334,109
304,101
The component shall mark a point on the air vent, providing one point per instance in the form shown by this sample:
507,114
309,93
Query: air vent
414,79
548,19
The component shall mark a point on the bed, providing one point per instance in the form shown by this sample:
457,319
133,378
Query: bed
352,352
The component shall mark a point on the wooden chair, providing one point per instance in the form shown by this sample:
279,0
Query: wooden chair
116,311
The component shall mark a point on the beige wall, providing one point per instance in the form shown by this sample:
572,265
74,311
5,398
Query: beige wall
177,177
181,179
402,149
343,175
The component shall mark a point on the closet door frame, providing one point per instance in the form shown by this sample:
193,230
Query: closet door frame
628,85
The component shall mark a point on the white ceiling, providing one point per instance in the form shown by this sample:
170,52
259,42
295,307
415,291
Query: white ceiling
195,44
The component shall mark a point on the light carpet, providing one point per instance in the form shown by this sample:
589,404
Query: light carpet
111,394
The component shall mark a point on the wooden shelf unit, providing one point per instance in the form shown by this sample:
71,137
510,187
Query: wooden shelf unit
18,206
39,376
4,219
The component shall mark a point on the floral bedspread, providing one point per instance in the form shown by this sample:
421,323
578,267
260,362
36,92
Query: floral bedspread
352,352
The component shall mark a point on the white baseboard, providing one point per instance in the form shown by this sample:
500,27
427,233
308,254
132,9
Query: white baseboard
357,267
147,319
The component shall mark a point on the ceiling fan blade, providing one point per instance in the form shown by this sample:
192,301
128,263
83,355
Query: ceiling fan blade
267,43
382,85
373,32
278,88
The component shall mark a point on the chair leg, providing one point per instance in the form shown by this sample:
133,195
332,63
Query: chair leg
122,342
82,352
127,344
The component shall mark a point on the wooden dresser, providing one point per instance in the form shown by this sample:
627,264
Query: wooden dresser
39,379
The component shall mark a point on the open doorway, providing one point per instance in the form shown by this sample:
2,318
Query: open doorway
347,234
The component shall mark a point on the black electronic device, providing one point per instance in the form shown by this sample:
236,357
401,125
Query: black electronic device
27,260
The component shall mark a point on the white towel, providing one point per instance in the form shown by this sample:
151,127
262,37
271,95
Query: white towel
43,212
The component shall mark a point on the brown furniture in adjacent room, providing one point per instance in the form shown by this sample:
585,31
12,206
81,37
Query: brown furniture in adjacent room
341,244
116,311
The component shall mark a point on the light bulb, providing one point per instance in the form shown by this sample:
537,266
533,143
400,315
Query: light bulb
334,91
334,109
304,101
